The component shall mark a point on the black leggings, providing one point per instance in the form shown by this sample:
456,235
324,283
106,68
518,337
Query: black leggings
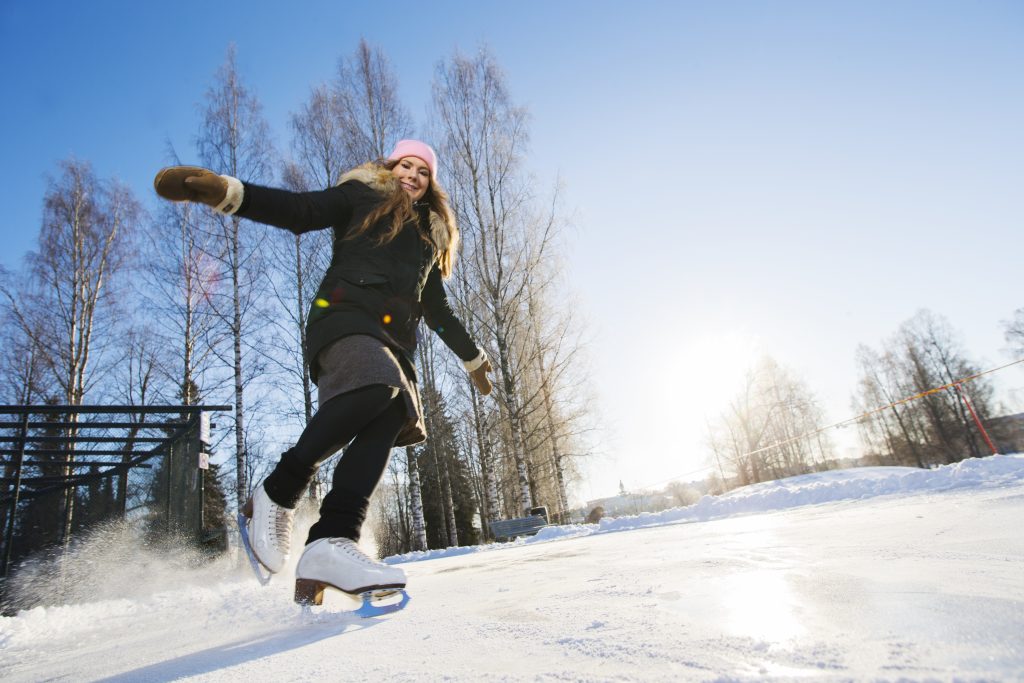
371,418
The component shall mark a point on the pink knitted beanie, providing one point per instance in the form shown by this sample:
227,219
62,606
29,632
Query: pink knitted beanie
420,150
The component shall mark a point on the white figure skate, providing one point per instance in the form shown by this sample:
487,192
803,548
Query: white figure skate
266,533
339,563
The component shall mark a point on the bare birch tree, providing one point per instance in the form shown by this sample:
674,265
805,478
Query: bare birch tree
182,279
23,366
372,115
1014,330
319,158
480,420
483,138
916,376
556,345
771,429
295,264
234,140
419,527
889,435
83,244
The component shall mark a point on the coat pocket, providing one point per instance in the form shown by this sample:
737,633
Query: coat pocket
375,292
364,279
366,290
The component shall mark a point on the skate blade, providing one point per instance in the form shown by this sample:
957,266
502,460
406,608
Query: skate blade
262,574
310,593
372,607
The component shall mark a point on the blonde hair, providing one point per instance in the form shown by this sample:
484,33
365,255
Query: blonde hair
398,205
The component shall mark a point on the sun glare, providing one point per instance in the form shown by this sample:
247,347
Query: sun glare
760,604
713,367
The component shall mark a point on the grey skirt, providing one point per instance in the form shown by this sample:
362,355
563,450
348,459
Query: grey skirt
360,360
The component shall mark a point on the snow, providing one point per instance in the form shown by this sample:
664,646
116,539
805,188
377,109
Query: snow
865,574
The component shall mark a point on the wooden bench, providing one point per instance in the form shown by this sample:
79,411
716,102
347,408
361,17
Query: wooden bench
513,528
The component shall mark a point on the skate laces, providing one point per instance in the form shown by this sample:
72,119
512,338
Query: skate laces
353,550
282,526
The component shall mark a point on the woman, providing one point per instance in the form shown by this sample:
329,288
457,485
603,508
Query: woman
394,240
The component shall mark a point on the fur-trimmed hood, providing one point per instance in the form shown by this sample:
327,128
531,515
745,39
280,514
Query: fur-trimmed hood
379,178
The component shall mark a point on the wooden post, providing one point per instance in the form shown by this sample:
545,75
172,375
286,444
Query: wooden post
9,540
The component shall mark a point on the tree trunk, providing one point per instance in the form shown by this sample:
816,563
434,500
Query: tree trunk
489,509
419,527
449,502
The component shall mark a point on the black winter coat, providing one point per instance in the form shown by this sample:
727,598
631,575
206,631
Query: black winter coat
378,290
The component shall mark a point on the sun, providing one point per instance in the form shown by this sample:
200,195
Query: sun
689,390
713,367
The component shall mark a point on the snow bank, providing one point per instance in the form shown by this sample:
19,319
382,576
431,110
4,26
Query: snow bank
808,489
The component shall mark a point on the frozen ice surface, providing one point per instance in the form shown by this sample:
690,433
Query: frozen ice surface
867,574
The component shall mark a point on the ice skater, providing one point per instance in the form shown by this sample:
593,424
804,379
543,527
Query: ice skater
395,239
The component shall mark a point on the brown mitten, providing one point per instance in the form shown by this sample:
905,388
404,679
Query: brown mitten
192,184
480,379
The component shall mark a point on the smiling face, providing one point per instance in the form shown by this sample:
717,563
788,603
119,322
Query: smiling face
414,176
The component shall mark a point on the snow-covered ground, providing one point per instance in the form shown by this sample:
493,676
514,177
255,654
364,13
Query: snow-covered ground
868,574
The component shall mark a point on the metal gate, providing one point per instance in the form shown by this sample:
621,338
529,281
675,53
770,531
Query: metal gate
67,468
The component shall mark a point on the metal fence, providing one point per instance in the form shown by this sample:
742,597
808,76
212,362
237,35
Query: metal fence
66,469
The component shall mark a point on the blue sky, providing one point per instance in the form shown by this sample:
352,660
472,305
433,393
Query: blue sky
792,178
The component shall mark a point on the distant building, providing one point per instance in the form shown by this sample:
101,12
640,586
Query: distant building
1007,431
632,504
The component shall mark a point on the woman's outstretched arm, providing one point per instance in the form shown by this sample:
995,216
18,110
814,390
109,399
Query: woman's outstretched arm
298,212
